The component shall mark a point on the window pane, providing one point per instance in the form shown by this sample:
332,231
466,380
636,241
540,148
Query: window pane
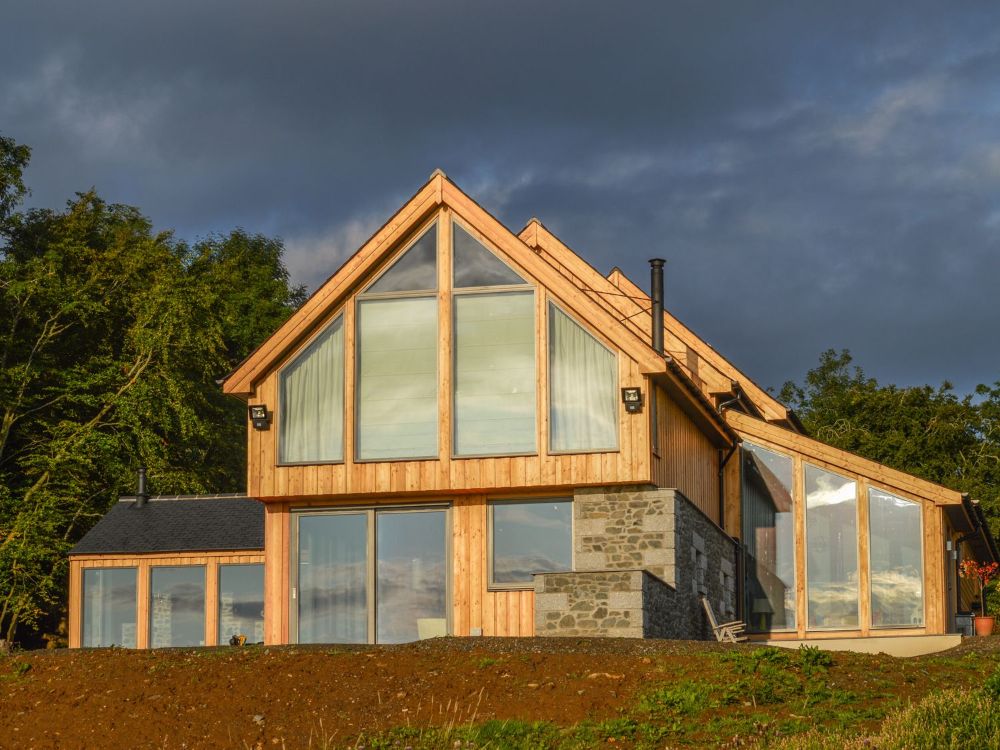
109,606
583,382
397,378
897,565
769,539
533,537
177,606
411,579
474,265
312,400
414,271
333,578
241,602
495,373
831,549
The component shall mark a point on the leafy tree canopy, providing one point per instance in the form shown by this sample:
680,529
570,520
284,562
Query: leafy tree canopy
112,337
933,433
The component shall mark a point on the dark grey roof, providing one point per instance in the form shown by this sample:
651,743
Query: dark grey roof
177,524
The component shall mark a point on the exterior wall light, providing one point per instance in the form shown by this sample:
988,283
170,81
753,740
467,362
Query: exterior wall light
260,416
632,398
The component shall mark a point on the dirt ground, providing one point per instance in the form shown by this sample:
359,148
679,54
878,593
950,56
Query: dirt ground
291,697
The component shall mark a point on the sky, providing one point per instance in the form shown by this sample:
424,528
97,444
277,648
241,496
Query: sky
817,175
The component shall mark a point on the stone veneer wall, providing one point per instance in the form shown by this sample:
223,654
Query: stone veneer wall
644,557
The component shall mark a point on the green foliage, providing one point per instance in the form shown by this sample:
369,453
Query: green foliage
13,160
814,659
678,699
112,339
930,432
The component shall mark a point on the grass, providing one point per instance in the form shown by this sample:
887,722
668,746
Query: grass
759,698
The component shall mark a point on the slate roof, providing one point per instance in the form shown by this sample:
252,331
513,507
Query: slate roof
186,523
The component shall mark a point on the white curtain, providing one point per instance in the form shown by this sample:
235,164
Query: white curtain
397,378
583,381
495,373
311,411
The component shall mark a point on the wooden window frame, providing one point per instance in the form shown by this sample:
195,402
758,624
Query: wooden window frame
83,600
206,599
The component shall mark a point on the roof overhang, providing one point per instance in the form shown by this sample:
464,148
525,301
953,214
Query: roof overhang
694,404
969,520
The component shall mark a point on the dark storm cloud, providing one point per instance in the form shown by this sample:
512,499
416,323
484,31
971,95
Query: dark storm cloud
817,175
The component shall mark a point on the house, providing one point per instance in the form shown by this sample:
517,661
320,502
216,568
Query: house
468,431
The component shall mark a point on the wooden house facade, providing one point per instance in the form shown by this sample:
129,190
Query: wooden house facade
467,431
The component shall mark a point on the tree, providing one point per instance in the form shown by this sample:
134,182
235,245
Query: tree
930,432
112,338
13,160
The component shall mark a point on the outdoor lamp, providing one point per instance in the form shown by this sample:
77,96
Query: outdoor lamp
259,416
632,398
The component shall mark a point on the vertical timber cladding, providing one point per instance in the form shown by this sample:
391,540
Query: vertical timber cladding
687,459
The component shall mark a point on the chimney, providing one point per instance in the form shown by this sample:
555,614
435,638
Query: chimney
656,274
141,494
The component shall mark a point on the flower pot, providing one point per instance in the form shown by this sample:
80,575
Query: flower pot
984,625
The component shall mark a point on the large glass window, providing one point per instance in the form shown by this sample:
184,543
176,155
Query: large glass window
475,266
831,549
411,580
109,607
241,602
583,377
177,606
312,401
397,378
495,373
333,578
896,550
768,539
414,270
529,537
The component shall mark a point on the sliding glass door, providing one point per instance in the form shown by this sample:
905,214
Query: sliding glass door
371,575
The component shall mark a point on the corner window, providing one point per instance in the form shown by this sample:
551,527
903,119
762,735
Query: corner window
177,606
529,537
583,385
768,539
831,549
241,602
897,565
109,607
311,410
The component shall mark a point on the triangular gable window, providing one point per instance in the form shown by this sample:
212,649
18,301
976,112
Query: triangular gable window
476,266
414,271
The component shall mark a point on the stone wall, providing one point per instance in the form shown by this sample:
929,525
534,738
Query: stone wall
644,557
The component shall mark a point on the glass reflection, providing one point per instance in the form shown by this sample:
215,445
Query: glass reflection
177,606
241,602
411,576
333,578
769,539
495,373
397,378
896,550
414,270
531,537
831,549
109,606
474,265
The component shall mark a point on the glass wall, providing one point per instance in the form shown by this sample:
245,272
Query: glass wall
831,549
495,373
333,578
583,388
311,409
241,602
897,565
177,606
411,579
109,607
530,537
768,539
